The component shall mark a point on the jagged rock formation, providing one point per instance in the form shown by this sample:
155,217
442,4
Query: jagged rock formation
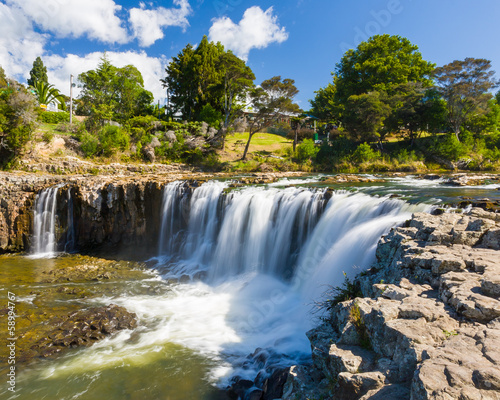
428,326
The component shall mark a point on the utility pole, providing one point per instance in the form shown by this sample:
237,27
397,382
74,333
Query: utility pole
70,99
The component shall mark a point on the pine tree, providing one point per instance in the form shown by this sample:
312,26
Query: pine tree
38,73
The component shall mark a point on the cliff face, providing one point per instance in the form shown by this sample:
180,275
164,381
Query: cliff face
115,213
428,326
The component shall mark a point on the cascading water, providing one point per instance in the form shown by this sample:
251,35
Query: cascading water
240,268
267,254
44,241
44,238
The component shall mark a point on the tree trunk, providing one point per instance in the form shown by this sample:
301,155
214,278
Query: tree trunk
295,139
244,156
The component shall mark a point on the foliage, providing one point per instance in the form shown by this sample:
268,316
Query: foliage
47,93
334,295
365,115
306,151
211,116
324,106
357,320
281,128
364,153
111,93
50,117
273,98
208,84
38,73
381,64
465,85
112,139
191,75
17,119
89,144
48,136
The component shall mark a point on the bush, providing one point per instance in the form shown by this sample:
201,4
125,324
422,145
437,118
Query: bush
89,144
306,151
17,120
50,117
364,153
211,116
448,146
113,138
48,137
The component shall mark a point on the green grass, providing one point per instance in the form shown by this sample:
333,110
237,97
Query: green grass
259,139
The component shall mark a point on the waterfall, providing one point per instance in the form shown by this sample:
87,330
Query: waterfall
44,242
44,237
308,237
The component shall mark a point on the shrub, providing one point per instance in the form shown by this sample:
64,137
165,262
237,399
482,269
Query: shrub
89,144
449,146
17,119
306,151
50,117
364,153
211,116
113,138
48,137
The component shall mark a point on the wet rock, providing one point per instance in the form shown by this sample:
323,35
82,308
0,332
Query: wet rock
84,328
273,386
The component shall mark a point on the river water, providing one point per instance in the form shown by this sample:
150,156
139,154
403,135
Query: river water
236,270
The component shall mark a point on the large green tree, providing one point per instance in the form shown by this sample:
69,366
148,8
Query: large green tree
465,86
38,73
191,78
113,93
207,81
271,100
381,63
17,118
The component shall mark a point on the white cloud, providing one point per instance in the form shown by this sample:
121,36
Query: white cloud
148,25
96,19
19,44
152,69
257,29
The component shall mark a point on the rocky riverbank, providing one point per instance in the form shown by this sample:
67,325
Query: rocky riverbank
427,326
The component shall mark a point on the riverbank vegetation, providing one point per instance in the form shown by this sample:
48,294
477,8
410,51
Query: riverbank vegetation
386,109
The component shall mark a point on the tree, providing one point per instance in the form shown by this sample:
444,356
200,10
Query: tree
465,85
365,114
17,118
113,93
38,73
269,101
208,81
47,93
191,78
380,64
237,80
323,106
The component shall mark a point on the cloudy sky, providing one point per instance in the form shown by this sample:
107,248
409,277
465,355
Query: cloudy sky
297,39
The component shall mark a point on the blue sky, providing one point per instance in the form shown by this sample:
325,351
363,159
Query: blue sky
297,39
